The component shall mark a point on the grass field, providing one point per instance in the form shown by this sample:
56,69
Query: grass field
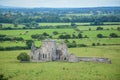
58,24
14,70
16,33
105,27
85,32
86,41
31,32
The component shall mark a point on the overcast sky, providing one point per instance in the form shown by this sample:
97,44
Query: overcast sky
60,3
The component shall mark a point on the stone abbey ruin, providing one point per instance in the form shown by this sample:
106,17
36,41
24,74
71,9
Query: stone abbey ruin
50,51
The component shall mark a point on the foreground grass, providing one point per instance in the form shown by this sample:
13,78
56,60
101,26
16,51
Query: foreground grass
15,70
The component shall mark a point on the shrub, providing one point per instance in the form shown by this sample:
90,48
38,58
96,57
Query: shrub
66,41
98,44
99,28
71,45
13,48
99,35
45,34
23,57
74,36
29,43
73,24
93,44
55,32
66,36
2,77
97,22
1,35
113,35
118,28
79,35
35,36
82,45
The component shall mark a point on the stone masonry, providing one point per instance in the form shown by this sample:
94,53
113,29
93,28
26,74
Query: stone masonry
50,51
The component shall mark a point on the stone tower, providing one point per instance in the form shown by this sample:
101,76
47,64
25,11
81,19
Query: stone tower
49,49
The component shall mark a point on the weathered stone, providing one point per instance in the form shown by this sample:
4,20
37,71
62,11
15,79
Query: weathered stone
49,51
73,58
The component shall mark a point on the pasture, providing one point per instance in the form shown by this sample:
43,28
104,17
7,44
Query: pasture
91,34
86,41
14,70
85,31
5,25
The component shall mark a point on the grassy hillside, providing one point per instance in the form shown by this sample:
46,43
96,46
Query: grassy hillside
14,70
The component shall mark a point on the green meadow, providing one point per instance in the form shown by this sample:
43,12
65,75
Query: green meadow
14,70
85,31
86,41
91,34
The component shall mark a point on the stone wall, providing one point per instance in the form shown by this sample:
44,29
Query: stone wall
73,58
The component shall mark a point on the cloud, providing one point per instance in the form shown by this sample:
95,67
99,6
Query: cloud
60,3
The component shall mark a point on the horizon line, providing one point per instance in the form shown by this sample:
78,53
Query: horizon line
58,7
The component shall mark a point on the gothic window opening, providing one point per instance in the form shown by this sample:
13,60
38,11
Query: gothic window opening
39,56
65,58
31,57
43,55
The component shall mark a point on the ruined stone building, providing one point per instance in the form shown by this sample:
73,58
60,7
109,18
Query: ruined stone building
49,51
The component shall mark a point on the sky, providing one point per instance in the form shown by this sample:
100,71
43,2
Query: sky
60,3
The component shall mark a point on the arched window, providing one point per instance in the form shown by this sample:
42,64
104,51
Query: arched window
39,56
43,55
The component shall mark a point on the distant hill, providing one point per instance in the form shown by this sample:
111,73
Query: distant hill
115,7
1,6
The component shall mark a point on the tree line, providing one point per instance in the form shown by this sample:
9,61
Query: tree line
23,15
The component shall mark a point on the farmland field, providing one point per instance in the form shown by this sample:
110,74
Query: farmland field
14,70
87,32
91,34
84,29
78,41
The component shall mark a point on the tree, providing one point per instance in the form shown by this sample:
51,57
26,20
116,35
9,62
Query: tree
45,34
15,25
89,29
93,44
35,36
55,32
99,35
73,24
61,36
113,35
2,77
99,28
23,57
66,36
29,43
79,35
74,44
66,41
118,28
97,22
74,36
1,26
